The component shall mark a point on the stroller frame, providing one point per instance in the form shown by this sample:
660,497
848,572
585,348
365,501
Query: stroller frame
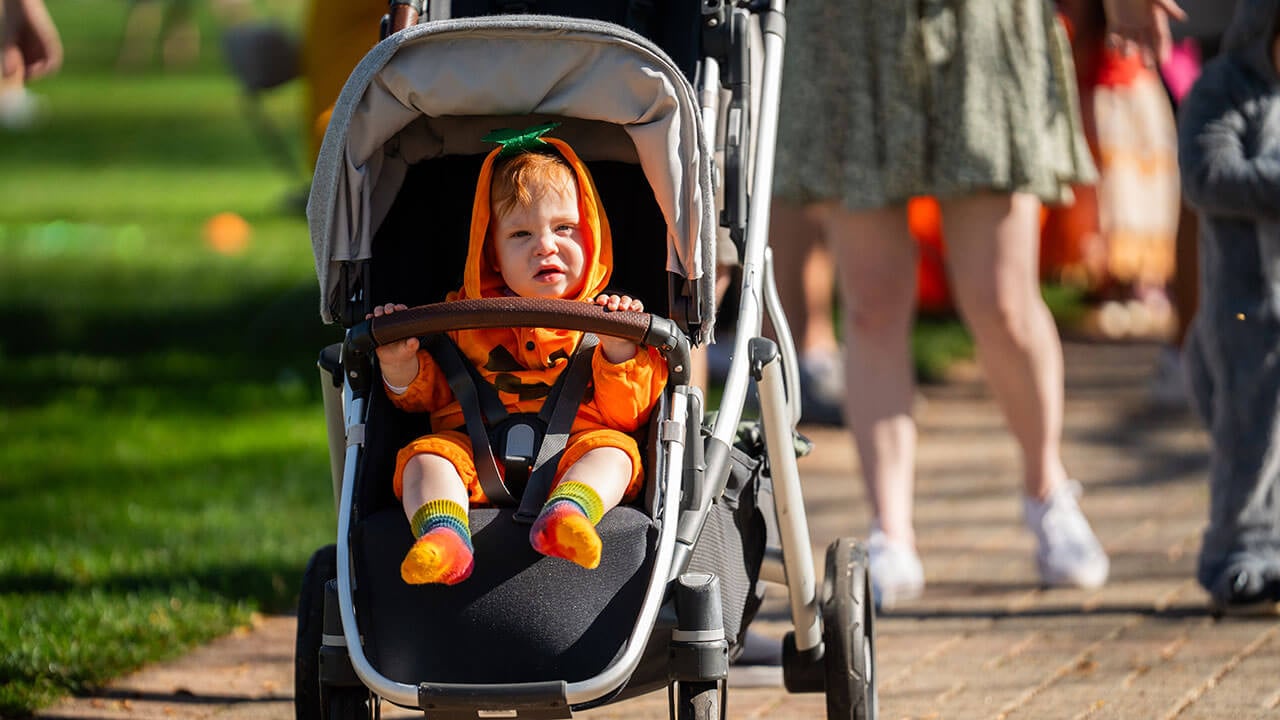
529,313
842,614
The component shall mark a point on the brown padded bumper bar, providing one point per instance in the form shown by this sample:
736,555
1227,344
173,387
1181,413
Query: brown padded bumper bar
642,328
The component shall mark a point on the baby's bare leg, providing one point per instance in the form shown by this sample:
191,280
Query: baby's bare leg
588,489
431,477
435,501
607,470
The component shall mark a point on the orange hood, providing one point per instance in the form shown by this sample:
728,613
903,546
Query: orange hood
480,280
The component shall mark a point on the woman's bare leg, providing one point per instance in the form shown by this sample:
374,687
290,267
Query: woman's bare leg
819,282
804,275
993,244
875,262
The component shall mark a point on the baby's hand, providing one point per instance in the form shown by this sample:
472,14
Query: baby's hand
617,350
614,303
398,360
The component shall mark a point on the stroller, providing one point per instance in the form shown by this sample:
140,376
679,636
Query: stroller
722,517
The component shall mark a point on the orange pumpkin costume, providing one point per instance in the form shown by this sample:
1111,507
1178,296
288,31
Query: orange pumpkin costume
523,363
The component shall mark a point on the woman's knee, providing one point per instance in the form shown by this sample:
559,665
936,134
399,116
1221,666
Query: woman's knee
876,261
992,262
1013,315
878,312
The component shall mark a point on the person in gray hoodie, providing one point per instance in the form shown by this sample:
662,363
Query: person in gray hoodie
1229,154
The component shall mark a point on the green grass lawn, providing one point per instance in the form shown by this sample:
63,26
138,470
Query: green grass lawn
163,466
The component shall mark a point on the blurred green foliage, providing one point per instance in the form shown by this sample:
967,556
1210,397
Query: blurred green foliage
163,464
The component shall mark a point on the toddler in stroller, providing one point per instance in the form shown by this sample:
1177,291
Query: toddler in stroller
682,567
537,231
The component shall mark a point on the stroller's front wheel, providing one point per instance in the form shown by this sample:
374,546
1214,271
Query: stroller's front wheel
848,632
306,659
349,703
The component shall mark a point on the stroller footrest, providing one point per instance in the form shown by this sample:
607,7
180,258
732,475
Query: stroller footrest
454,701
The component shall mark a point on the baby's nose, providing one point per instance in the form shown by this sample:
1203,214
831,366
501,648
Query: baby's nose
547,242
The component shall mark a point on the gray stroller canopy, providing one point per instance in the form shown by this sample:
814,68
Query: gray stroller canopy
437,88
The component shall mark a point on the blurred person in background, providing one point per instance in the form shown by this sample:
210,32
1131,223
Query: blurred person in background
1121,245
169,24
1196,40
336,35
30,48
975,104
1229,148
805,275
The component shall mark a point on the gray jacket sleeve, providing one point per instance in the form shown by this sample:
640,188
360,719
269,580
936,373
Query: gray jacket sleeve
1229,167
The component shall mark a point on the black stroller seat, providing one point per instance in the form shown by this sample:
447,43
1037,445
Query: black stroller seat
520,617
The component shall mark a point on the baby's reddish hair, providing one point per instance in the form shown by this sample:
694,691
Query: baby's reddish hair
521,179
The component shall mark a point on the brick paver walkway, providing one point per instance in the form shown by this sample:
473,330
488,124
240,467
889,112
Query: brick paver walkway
984,641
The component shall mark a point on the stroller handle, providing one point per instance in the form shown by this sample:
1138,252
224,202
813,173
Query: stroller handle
641,328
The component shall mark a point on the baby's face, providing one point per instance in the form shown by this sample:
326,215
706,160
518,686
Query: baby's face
540,248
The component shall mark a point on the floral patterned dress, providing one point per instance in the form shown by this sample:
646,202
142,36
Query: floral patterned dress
884,100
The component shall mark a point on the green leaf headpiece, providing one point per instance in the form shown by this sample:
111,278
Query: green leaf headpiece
518,141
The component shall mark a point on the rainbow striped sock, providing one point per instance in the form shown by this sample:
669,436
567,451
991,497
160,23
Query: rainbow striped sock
443,553
566,527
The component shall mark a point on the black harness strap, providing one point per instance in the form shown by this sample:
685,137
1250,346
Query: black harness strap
464,381
558,411
483,410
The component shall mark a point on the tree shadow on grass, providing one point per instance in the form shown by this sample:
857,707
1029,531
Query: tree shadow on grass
272,587
247,339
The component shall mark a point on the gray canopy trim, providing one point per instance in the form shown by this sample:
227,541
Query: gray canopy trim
436,88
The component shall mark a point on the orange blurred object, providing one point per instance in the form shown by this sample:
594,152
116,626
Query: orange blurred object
924,220
227,233
1072,250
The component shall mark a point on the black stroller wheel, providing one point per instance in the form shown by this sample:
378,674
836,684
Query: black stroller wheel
349,703
306,656
848,621
699,701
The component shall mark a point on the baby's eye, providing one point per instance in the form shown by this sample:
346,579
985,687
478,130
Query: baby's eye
565,228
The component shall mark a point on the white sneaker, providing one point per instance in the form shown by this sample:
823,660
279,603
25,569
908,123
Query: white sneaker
896,573
825,372
1069,554
19,109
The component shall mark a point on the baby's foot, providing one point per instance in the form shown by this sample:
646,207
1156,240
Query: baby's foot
441,556
563,530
